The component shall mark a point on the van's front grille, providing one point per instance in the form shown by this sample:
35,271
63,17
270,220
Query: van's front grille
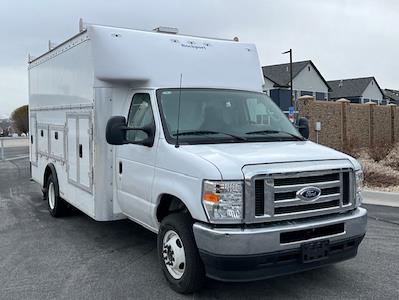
278,196
306,179
307,207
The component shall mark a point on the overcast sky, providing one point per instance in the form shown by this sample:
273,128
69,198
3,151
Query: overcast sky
344,38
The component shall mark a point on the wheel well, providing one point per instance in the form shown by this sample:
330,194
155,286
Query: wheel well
50,169
169,204
47,173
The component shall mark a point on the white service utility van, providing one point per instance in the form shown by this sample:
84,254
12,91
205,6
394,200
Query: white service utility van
173,132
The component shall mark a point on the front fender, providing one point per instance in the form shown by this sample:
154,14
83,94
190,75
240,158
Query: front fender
187,189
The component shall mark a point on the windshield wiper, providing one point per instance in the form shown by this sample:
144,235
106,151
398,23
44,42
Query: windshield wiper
206,132
275,132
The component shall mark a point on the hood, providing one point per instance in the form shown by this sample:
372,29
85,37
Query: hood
231,158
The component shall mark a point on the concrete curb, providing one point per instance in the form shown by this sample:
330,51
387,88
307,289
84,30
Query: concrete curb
380,198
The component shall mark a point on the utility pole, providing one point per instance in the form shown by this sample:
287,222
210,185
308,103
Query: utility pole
291,87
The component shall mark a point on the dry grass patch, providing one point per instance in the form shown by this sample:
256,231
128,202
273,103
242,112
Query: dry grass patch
392,159
381,168
379,152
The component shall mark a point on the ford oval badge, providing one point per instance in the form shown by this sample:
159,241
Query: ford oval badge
309,194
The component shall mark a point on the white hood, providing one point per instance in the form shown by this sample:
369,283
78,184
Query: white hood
231,158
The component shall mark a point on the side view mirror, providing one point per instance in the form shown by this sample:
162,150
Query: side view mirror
303,127
115,132
116,129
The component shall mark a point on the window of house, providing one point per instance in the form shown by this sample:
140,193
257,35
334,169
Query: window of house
355,100
320,96
306,93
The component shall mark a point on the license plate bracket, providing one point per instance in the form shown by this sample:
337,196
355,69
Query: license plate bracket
315,251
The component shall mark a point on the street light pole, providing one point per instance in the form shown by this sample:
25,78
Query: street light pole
291,87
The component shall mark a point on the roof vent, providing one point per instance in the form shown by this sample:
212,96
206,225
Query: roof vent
164,29
341,83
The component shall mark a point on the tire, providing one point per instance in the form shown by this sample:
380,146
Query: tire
177,230
55,204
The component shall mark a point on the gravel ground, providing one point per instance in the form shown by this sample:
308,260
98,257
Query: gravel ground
382,175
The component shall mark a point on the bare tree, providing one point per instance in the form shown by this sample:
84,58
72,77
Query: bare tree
20,119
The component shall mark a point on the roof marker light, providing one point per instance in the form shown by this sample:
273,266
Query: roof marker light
165,29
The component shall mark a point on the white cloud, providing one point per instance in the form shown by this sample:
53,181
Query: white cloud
345,38
14,88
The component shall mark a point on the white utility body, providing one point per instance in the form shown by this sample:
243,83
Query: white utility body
195,150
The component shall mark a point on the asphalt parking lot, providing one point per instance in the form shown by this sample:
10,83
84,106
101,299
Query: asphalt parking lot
77,258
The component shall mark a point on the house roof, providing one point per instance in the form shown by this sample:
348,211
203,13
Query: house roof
393,95
350,88
280,74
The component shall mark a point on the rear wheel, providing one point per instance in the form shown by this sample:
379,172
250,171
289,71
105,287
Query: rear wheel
178,254
56,205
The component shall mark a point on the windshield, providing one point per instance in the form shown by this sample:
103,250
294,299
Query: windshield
217,116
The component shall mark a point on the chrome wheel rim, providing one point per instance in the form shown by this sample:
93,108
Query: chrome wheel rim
51,195
173,254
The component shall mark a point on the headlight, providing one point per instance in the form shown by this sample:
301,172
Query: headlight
358,188
223,201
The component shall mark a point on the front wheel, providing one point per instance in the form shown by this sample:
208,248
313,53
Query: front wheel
178,254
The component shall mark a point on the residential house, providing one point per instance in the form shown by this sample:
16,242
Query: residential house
307,80
392,96
357,90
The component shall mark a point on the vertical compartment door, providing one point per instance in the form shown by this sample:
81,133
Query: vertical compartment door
33,139
79,150
72,144
84,152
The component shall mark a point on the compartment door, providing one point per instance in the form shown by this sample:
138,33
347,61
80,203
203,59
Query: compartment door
72,149
42,139
33,139
80,159
84,152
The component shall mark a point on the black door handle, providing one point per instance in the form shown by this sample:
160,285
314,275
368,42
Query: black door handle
120,167
80,150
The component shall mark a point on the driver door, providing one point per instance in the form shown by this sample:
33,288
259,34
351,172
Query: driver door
135,162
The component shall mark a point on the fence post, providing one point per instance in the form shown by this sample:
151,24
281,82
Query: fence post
344,122
304,107
393,119
303,104
371,123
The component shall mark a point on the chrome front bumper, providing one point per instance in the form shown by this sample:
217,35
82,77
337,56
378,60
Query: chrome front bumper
267,238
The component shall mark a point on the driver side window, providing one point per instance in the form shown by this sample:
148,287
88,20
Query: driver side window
140,115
